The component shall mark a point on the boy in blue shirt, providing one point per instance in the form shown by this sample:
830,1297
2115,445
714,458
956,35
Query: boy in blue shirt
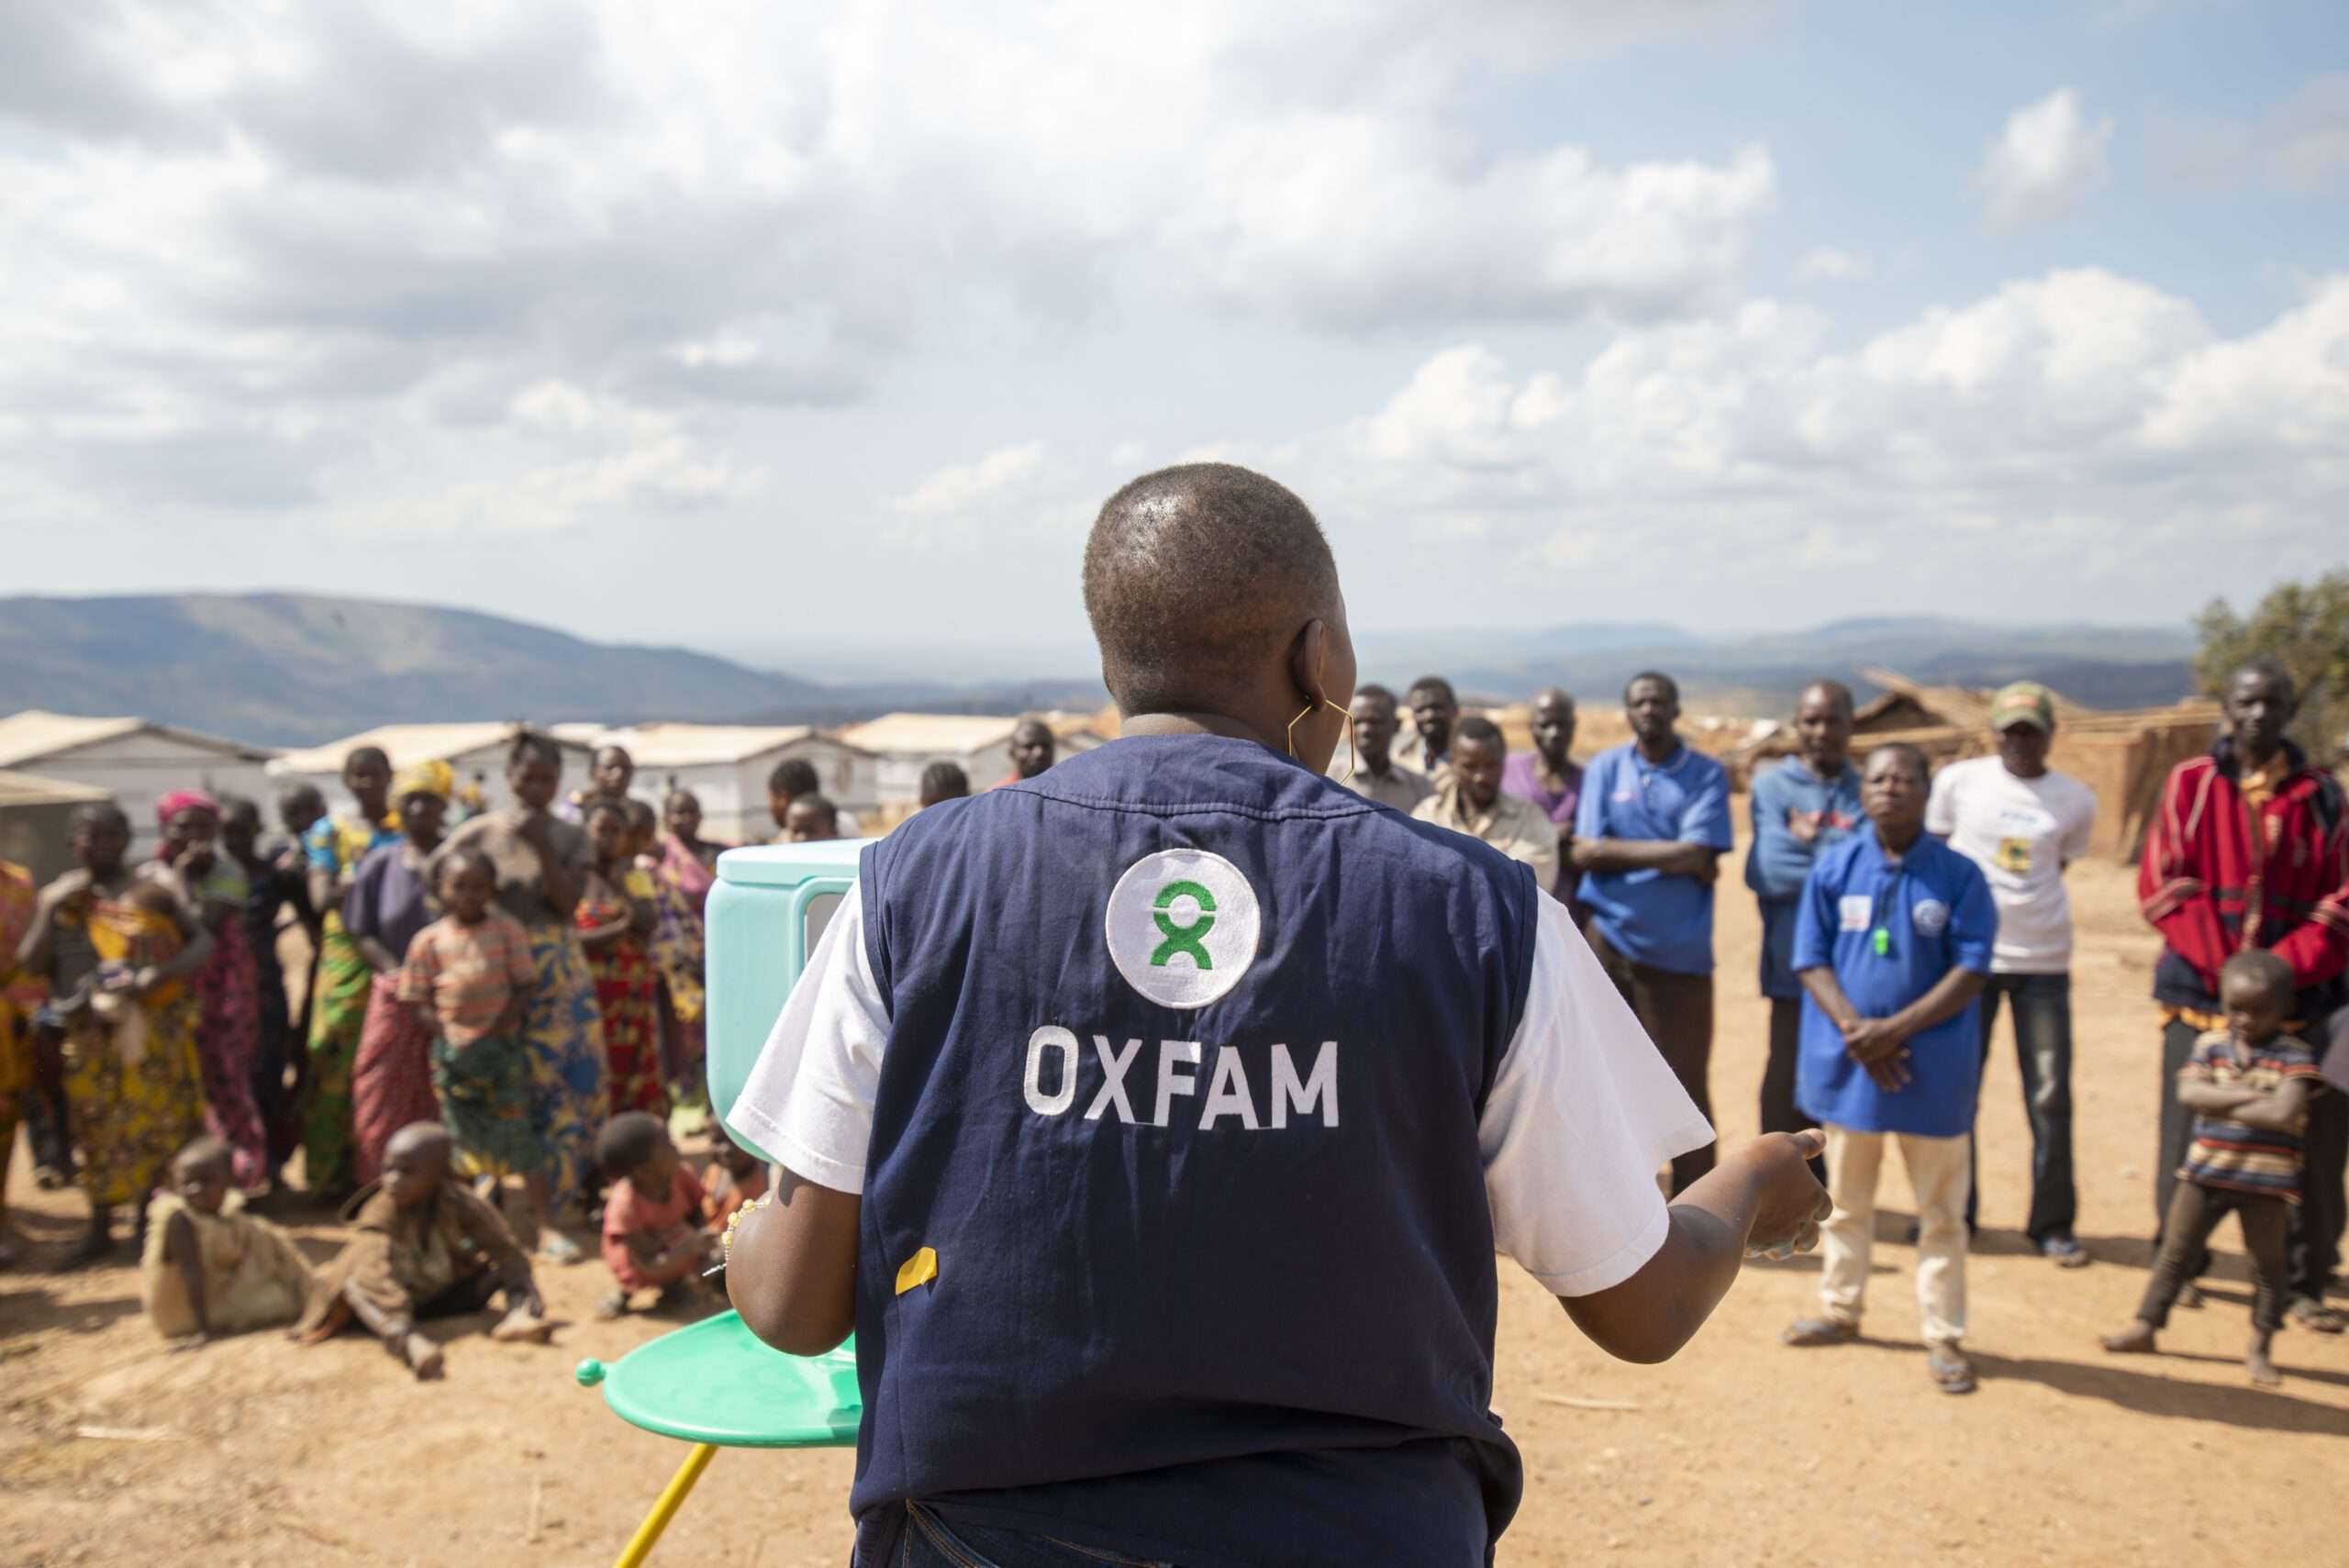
1649,835
1803,807
1893,943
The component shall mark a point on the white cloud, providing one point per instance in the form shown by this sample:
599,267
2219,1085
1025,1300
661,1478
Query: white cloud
2082,424
218,225
1828,261
960,486
2048,156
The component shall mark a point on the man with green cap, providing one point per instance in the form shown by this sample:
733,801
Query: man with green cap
2023,823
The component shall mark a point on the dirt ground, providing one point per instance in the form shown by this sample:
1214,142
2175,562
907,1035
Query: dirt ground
251,1451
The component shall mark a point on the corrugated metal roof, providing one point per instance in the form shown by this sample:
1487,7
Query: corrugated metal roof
942,734
404,744
31,789
36,733
700,745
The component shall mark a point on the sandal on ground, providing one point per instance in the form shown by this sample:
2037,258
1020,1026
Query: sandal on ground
2065,1253
2315,1315
557,1248
49,1178
611,1306
1811,1331
1952,1373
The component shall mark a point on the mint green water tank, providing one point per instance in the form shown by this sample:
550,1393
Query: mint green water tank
766,912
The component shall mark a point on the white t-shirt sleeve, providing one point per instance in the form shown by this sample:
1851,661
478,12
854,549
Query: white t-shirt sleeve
1941,805
1580,1116
809,1100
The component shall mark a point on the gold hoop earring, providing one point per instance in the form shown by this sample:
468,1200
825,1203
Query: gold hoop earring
1353,758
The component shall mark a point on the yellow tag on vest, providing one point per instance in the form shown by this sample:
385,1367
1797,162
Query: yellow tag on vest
920,1269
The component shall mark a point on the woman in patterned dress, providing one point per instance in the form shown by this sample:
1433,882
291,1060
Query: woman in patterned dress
228,988
336,846
541,864
617,921
116,951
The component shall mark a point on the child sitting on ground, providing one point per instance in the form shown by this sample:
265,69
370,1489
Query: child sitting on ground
2250,1084
652,1238
425,1248
208,1267
734,1178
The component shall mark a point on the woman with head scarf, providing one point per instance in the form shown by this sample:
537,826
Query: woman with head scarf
116,950
390,901
228,988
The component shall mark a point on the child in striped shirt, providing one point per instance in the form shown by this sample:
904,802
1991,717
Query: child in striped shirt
2249,1084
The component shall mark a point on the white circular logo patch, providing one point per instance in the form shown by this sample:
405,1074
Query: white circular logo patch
1930,915
1183,926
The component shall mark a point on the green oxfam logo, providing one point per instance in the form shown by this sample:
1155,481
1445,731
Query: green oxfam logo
1183,939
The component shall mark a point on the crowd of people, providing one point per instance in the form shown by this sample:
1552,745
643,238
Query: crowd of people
1902,912
498,1004
504,1007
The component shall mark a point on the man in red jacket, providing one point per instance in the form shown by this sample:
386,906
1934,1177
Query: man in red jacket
2249,849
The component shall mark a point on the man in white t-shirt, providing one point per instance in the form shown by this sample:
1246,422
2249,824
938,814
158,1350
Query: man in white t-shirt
2023,823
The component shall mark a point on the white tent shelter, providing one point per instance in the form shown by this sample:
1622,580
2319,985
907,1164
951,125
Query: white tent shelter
725,766
905,743
136,761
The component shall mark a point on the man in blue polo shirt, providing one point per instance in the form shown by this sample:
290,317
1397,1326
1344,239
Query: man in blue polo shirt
1155,1121
1893,944
1649,835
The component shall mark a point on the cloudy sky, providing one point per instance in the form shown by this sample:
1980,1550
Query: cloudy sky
818,331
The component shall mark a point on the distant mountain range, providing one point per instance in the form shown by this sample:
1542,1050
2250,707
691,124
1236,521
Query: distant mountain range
299,669
1762,673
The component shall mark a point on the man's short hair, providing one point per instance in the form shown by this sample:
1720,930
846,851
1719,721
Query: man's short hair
1480,729
627,1141
1914,755
1659,678
793,775
1376,693
944,781
815,802
1195,577
97,811
2269,973
1836,691
1436,683
2265,664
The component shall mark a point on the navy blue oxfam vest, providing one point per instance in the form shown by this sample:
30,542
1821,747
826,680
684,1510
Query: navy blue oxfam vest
1187,1047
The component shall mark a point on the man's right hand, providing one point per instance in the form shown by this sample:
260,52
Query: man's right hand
1790,1203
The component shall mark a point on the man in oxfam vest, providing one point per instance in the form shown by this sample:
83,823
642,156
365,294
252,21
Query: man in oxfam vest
1155,1122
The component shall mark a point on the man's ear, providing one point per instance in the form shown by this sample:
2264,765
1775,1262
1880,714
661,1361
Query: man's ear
1308,664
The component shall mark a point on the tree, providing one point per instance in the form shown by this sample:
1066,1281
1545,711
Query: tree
2305,627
